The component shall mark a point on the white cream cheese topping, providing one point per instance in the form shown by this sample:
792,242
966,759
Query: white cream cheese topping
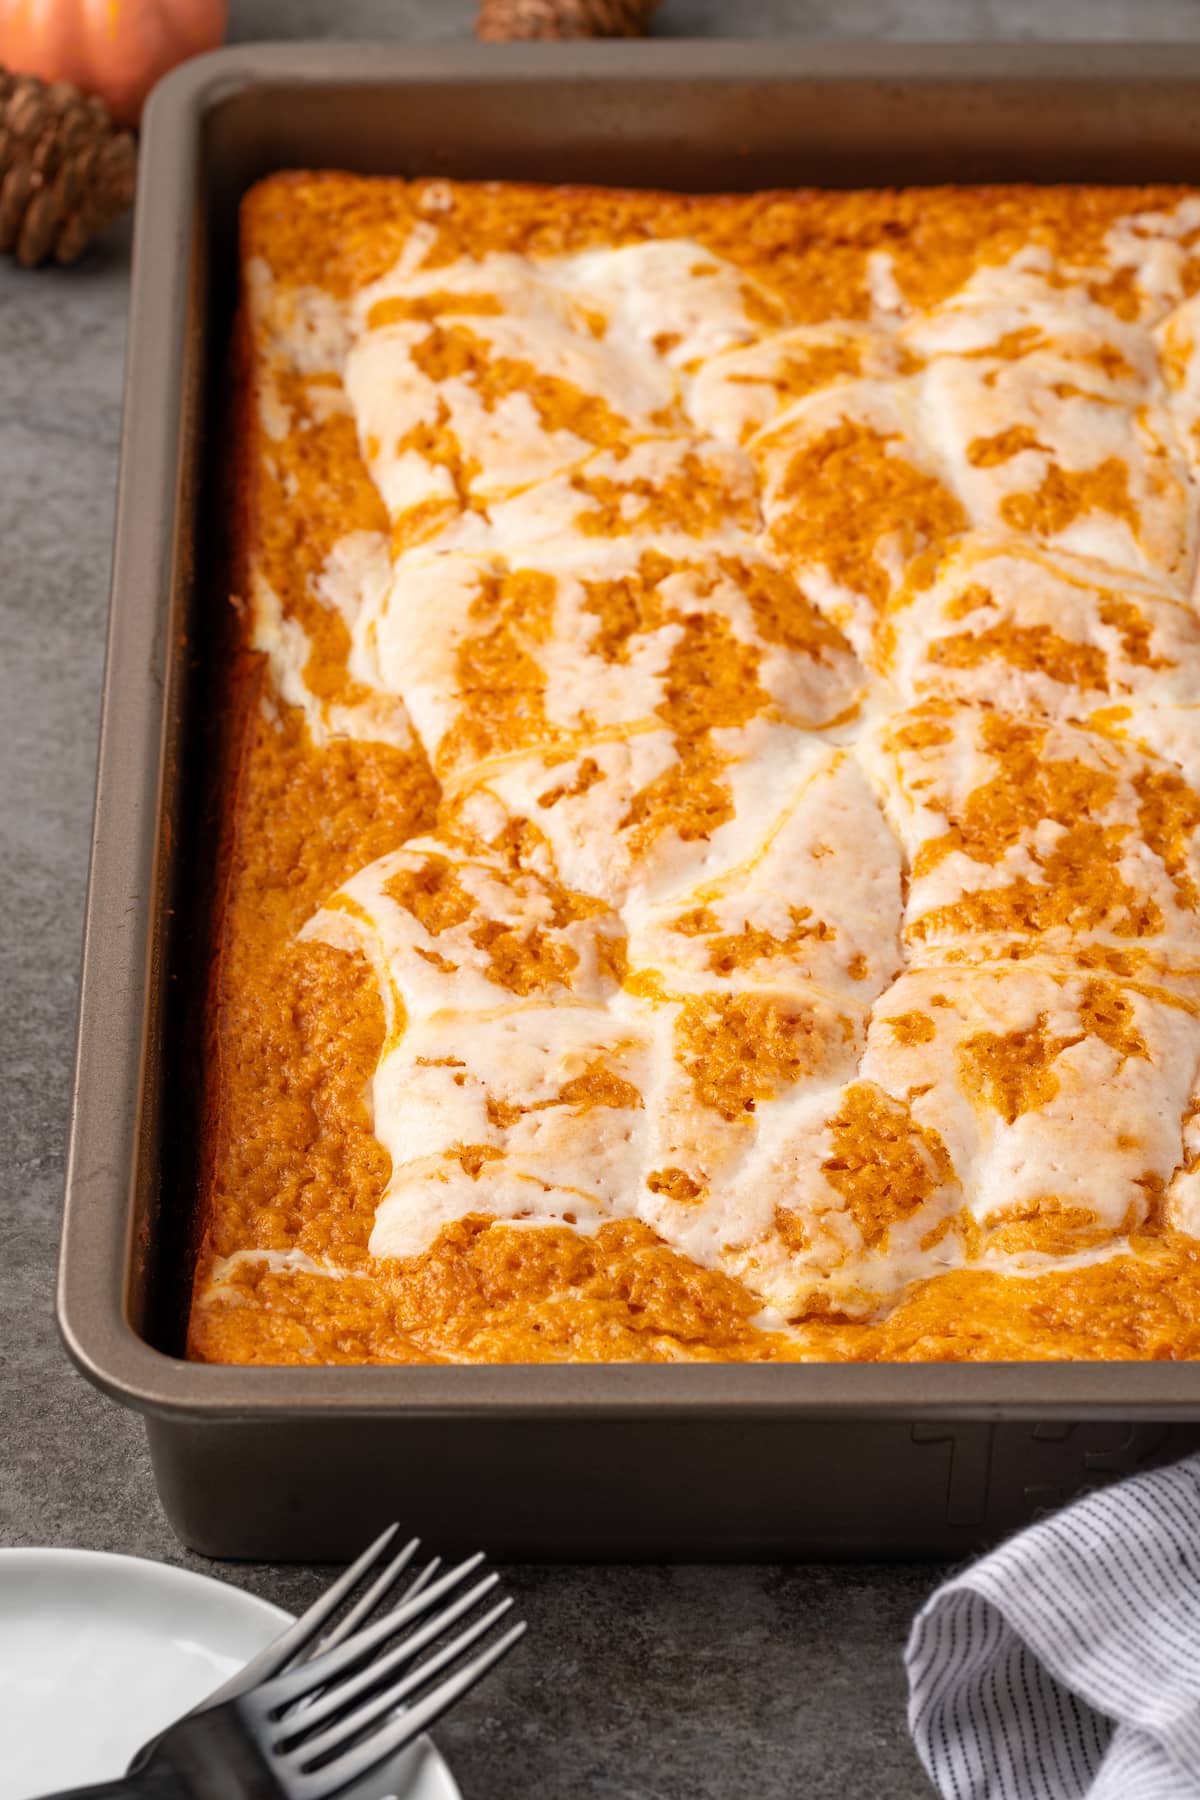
817,713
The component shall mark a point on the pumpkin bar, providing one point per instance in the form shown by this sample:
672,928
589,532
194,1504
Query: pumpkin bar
710,864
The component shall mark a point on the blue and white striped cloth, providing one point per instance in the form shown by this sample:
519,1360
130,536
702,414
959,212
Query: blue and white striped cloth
1067,1662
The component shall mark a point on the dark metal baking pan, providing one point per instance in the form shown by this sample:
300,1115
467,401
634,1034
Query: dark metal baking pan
615,1460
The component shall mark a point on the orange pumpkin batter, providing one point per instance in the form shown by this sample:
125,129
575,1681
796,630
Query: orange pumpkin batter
855,515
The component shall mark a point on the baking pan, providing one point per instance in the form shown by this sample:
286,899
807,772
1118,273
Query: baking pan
618,1460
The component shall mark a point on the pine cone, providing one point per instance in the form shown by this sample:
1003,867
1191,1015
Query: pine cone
66,171
563,18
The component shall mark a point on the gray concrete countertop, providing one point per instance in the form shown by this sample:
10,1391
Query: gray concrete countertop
641,1683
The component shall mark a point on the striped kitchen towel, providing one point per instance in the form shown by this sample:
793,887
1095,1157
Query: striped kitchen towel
1067,1662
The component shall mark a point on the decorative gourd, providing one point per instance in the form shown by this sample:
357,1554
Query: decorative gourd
114,48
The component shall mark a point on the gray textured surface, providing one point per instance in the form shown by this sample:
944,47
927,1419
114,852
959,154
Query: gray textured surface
640,1684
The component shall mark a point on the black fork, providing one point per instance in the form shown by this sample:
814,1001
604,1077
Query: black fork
312,1718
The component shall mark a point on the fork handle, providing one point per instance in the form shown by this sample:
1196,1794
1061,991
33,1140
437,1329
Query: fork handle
151,1782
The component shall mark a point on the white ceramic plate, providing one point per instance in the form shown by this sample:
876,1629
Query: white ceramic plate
98,1653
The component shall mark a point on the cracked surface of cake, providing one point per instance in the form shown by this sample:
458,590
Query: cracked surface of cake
710,865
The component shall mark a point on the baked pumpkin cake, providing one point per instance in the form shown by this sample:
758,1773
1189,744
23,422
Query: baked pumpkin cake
711,864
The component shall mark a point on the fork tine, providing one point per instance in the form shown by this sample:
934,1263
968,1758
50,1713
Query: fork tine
350,1725
362,1609
427,1574
320,1670
291,1643
339,1695
353,1765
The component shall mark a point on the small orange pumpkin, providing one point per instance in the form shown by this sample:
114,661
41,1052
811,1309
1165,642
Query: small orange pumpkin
114,48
